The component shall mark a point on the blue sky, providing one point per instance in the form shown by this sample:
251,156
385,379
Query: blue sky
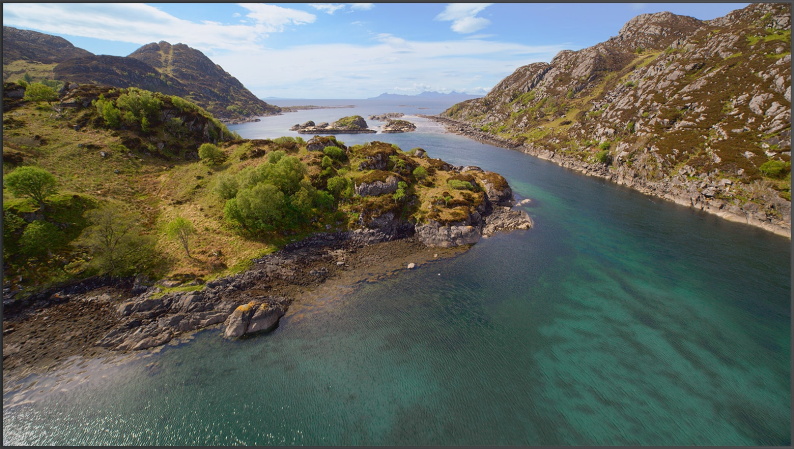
350,50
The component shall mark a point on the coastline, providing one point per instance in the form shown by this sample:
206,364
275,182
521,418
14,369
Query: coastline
41,337
662,189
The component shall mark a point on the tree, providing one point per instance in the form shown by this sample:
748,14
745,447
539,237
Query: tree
40,92
180,230
39,238
420,173
211,154
32,182
116,242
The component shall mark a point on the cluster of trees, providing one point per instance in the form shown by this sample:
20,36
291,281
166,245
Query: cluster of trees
273,195
134,107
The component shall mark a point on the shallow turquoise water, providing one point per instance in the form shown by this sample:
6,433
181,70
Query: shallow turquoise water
618,319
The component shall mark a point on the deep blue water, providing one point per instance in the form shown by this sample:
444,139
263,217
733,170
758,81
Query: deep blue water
619,319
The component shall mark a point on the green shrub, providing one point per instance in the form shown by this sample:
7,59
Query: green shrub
39,238
211,154
604,146
420,173
40,92
335,153
275,156
775,169
326,162
32,182
603,157
630,127
339,186
459,185
399,195
226,186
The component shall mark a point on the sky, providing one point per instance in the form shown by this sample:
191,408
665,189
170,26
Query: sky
350,50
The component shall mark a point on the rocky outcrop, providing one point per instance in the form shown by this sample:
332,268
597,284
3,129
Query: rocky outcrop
354,124
398,126
504,219
676,107
386,116
320,143
377,188
447,236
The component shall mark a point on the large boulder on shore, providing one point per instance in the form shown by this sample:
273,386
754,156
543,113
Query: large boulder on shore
253,317
496,188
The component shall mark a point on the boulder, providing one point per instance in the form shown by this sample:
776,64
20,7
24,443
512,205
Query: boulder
237,322
319,143
265,317
496,188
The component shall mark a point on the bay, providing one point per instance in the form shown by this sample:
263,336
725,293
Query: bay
618,319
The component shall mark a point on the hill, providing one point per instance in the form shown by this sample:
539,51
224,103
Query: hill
149,158
698,112
172,70
452,95
209,85
34,53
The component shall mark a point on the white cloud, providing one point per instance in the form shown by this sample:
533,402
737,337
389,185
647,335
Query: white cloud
637,6
237,14
357,22
463,17
141,24
274,18
330,8
360,71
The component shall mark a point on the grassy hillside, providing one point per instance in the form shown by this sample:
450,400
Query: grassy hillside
156,158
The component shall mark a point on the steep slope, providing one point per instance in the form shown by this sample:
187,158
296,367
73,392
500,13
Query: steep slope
34,53
210,85
118,71
696,112
35,46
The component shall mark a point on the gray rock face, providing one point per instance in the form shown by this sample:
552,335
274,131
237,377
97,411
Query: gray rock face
378,187
319,143
435,235
398,126
503,219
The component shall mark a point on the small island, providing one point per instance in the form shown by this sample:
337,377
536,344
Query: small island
397,126
354,124
386,116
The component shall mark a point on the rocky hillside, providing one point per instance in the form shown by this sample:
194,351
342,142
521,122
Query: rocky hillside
172,70
698,112
34,46
209,85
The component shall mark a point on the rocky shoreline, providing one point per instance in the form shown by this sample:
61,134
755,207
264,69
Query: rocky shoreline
664,189
96,317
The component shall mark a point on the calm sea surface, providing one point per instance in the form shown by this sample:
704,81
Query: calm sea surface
619,319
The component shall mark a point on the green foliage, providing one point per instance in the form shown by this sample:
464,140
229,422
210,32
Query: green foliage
11,224
180,230
110,113
399,195
335,153
40,92
226,186
775,169
420,173
604,146
603,157
28,79
139,106
340,187
630,127
639,50
275,156
40,238
32,182
211,154
116,243
459,185
326,162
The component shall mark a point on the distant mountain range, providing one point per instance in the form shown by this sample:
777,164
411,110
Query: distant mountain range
161,67
451,95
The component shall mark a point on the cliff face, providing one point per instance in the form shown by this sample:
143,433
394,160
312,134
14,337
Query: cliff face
697,111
